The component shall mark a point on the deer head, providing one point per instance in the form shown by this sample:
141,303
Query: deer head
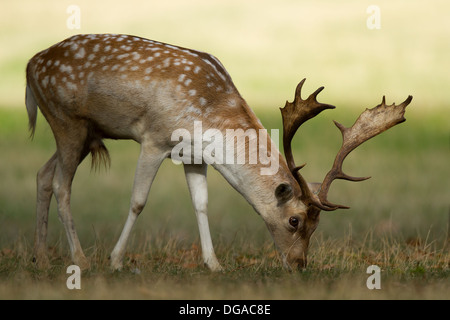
302,211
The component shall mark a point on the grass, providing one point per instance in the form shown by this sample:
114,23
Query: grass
389,225
399,219
174,271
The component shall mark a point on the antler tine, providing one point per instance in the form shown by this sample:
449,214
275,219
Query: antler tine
369,124
298,92
294,115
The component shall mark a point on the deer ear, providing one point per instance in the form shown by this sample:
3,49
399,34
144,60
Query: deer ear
284,192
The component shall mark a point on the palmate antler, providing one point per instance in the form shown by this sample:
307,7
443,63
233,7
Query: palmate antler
369,124
294,115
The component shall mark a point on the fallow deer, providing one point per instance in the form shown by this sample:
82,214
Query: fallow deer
97,86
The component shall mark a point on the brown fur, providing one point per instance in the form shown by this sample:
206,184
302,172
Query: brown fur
99,152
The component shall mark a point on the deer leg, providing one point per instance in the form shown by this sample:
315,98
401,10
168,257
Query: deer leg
62,185
72,148
149,162
43,199
196,180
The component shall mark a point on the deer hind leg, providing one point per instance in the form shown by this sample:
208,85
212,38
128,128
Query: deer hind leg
44,195
150,159
196,180
72,147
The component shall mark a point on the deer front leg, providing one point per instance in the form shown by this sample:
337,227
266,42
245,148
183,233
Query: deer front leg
149,162
196,180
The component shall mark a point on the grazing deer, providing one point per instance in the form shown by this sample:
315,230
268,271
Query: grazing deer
97,86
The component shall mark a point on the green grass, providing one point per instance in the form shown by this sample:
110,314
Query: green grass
174,271
398,221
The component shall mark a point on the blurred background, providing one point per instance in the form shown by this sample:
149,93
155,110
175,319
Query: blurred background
267,46
359,50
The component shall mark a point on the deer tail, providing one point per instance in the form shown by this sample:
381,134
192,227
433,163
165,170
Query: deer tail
100,155
31,104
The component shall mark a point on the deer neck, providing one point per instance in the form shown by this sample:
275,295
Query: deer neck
257,179
257,189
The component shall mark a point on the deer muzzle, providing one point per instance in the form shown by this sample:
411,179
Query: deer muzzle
290,263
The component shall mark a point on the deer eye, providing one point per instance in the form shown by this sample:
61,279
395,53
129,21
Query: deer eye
293,221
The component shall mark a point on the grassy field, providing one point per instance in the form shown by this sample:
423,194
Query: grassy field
399,219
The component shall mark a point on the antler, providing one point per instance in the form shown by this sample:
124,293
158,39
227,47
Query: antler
369,124
294,115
